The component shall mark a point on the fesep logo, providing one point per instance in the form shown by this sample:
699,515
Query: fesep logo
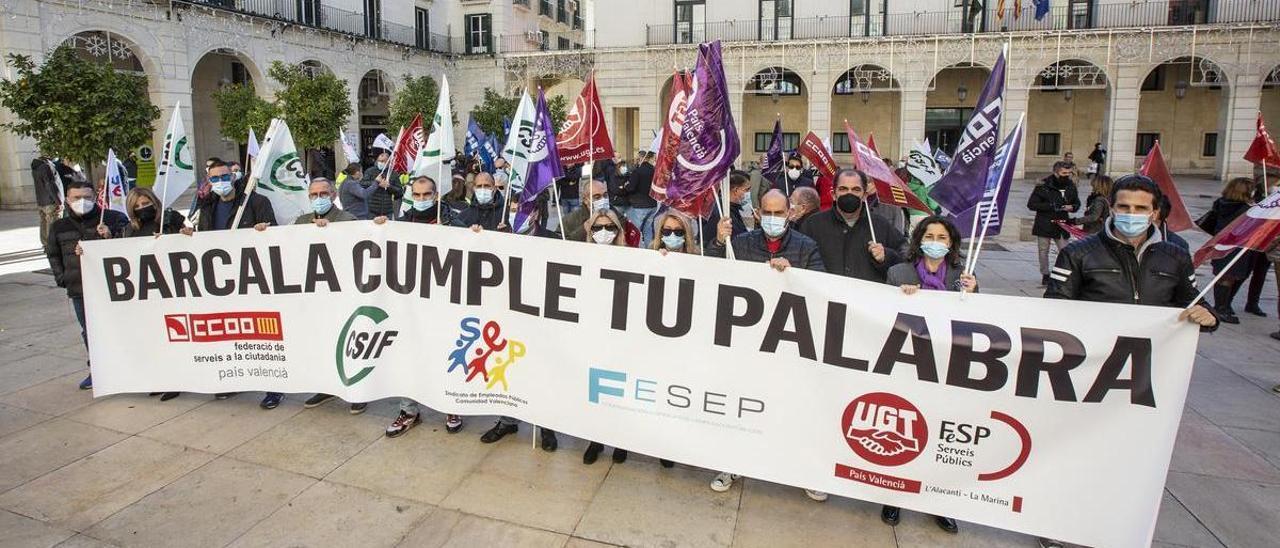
884,429
362,345
224,326
473,358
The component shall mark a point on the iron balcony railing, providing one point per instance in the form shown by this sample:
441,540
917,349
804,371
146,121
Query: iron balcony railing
314,13
1098,15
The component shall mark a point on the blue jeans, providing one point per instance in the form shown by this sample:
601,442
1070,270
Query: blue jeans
77,304
643,219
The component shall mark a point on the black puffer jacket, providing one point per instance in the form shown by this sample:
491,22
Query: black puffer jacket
798,249
1102,268
69,231
844,247
1048,200
488,216
257,211
447,216
172,224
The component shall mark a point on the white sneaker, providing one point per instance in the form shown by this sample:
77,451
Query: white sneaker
816,495
723,482
1046,542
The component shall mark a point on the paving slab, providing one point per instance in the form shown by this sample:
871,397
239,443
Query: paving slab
88,490
446,528
221,426
18,531
778,515
1204,448
1227,399
84,541
1239,513
35,369
43,448
133,413
13,419
352,517
58,396
633,507
211,506
313,442
1176,525
1264,443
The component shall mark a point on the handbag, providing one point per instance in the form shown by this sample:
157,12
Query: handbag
1208,222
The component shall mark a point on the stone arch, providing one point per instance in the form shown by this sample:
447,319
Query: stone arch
1183,103
215,69
869,96
950,97
772,92
1270,102
373,102
1066,112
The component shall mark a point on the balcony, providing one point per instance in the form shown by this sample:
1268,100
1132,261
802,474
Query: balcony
313,13
1108,15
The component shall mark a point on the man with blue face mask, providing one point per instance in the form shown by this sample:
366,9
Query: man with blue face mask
487,208
1129,261
772,242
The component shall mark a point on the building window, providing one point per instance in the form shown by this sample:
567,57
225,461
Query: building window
1155,80
857,8
563,43
308,12
1047,144
373,18
775,19
562,14
1209,148
691,21
790,141
421,28
840,143
544,9
544,40
776,81
1146,141
479,31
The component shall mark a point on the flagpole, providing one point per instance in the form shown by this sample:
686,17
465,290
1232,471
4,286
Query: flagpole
170,155
724,208
555,196
252,184
1240,252
866,210
971,261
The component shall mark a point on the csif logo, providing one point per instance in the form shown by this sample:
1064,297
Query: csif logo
362,345
474,347
884,429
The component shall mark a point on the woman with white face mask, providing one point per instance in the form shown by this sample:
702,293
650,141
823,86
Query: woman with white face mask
605,228
933,263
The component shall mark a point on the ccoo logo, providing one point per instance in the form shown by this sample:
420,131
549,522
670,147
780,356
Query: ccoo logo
884,429
362,345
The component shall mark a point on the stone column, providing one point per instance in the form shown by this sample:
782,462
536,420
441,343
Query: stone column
911,116
19,33
819,111
1016,100
1237,125
1122,118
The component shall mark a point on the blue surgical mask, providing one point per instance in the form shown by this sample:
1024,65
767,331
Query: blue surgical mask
602,203
673,241
223,188
773,226
1131,224
423,205
484,195
381,165
321,205
934,250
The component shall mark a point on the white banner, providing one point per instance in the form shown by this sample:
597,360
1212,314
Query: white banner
1039,416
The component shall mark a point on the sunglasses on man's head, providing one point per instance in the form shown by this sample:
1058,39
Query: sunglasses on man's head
220,178
673,232
598,228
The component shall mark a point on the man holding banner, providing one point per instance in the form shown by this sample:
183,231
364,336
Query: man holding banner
854,242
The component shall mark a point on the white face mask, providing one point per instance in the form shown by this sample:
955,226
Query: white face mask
484,195
793,173
773,226
602,203
81,206
603,236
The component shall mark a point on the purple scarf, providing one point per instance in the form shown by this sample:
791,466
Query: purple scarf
931,280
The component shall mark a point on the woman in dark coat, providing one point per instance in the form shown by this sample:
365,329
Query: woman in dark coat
1237,197
142,207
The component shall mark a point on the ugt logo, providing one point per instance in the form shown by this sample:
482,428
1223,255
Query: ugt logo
884,429
473,358
362,345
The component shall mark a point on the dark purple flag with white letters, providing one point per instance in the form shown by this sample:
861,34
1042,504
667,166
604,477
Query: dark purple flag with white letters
962,186
709,139
995,197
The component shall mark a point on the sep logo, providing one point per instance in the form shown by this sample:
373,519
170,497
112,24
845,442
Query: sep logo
362,345
474,347
884,429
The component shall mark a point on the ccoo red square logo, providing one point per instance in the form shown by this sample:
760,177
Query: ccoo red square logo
224,326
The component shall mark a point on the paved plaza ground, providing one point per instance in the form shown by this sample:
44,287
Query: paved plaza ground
130,470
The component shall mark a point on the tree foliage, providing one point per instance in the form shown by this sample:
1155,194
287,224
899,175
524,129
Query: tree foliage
490,112
315,104
240,108
416,95
75,108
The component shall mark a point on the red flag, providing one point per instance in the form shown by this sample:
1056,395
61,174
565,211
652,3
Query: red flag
1075,231
889,188
1256,229
871,143
812,149
408,143
1262,150
584,137
673,123
1157,170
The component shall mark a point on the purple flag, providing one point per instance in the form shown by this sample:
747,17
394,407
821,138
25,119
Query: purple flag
961,187
773,157
709,140
996,196
539,143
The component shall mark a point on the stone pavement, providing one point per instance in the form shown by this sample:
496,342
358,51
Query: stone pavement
130,470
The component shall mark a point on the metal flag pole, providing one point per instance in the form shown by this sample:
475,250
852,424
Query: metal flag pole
1240,252
866,210
555,197
971,260
723,202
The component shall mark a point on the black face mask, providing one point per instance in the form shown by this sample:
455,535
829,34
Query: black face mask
849,203
146,214
1063,180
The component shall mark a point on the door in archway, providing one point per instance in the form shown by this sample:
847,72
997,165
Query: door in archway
943,126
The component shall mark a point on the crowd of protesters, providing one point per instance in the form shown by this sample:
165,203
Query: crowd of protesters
795,219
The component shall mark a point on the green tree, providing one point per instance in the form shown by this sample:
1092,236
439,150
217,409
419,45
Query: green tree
75,108
315,104
240,108
417,95
490,112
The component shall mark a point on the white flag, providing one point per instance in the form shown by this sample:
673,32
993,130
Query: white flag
348,149
922,165
252,146
114,186
383,142
439,150
175,174
516,151
278,174
656,143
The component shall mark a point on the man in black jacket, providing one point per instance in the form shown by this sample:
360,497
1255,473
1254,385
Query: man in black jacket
488,208
48,174
770,243
82,222
1053,200
1129,261
642,206
844,237
218,210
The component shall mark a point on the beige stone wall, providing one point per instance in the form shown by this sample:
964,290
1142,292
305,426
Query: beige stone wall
759,112
942,93
1182,123
1078,122
878,116
1271,109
